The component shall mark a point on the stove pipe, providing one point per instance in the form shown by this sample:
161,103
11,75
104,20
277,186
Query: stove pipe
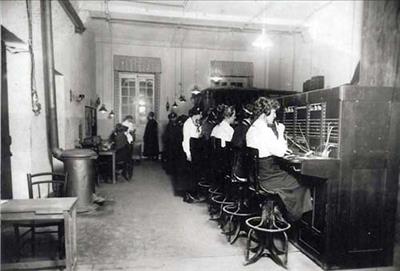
49,79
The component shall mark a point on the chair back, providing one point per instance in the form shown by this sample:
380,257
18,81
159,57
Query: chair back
215,146
47,185
229,158
198,150
251,161
239,162
215,156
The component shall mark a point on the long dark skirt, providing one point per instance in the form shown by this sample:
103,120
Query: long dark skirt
295,197
185,181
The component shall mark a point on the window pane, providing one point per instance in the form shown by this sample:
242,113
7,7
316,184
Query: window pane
132,110
124,100
132,91
132,83
150,92
124,111
124,92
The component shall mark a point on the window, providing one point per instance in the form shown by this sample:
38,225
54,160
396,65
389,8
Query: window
226,81
136,96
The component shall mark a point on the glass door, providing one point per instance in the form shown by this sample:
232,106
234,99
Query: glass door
136,98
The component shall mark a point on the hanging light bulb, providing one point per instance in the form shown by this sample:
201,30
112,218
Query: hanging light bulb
103,109
182,98
216,78
174,105
195,90
111,115
263,41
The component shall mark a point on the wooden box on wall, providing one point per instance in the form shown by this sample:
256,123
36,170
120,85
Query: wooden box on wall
353,221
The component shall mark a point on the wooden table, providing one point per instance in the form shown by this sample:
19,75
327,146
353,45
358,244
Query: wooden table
44,209
112,154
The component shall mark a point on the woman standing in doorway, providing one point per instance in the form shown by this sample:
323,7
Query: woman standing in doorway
150,138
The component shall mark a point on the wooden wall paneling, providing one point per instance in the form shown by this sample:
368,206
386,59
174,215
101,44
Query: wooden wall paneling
380,51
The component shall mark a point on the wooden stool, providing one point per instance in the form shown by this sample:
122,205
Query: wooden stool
265,231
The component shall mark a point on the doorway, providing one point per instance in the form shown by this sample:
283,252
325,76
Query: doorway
136,98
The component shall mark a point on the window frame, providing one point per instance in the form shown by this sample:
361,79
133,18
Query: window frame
138,77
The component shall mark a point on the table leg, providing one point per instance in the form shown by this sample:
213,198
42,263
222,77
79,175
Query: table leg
113,168
74,245
70,239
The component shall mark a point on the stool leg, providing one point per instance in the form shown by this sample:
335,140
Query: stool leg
238,229
267,214
258,250
230,227
278,255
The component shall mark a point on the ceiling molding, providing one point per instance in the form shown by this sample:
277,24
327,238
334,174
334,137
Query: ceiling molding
160,44
190,23
159,3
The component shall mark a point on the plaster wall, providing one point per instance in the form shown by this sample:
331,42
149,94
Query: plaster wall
330,47
191,67
74,58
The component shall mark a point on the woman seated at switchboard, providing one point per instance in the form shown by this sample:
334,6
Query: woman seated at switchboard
223,130
267,136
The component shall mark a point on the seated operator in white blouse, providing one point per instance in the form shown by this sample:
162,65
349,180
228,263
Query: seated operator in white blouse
128,122
267,136
223,130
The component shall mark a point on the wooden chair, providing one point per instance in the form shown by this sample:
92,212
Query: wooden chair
198,149
237,214
42,185
218,192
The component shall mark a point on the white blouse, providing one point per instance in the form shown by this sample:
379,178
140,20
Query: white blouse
223,131
128,134
261,137
189,130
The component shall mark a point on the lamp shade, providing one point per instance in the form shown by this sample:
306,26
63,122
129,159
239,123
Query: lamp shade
111,114
195,90
182,98
174,105
103,109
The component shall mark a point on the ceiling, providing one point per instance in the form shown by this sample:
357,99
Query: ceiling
190,23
